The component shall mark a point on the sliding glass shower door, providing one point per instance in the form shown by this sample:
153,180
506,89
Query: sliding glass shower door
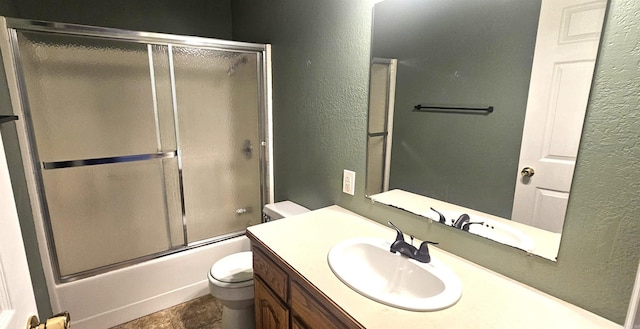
143,148
219,139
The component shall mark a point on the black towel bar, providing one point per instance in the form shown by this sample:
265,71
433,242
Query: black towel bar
422,108
8,118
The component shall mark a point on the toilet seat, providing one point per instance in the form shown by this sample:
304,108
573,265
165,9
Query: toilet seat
234,269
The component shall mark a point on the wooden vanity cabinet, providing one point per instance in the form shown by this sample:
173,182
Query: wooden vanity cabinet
284,299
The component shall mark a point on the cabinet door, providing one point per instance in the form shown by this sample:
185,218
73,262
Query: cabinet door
309,311
295,324
271,313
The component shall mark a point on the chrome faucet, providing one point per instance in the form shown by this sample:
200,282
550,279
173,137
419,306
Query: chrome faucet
420,254
463,222
464,218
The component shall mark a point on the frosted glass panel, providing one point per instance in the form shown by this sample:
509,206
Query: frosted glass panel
375,164
218,112
106,214
378,91
88,97
159,58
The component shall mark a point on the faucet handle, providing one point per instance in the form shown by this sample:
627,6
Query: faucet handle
467,225
423,252
400,235
426,243
442,219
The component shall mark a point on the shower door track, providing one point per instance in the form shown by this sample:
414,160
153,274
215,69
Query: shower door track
27,135
138,260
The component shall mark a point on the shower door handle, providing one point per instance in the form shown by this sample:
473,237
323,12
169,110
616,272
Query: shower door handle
247,149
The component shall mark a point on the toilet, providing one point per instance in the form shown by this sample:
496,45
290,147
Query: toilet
231,277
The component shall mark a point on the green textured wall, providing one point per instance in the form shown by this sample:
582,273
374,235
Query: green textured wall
320,90
320,65
194,17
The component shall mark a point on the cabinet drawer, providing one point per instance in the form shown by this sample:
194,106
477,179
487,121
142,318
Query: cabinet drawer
270,273
309,311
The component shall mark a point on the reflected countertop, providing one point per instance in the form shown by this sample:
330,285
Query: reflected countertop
546,244
489,300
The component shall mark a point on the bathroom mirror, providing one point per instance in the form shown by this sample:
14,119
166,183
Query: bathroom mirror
480,103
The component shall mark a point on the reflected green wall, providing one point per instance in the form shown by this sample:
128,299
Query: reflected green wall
473,53
320,71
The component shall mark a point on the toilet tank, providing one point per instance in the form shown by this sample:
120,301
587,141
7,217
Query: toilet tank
281,209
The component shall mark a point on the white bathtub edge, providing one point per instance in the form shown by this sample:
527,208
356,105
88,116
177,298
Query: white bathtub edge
119,296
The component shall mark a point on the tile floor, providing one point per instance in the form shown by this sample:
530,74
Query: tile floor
201,313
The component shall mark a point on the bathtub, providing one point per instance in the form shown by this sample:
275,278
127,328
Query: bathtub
115,297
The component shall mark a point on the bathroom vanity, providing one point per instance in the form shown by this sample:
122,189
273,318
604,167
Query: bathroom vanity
285,299
296,288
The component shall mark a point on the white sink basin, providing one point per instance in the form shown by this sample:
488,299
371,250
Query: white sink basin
491,229
502,233
367,266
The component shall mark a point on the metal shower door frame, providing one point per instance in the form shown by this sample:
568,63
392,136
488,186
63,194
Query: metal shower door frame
26,136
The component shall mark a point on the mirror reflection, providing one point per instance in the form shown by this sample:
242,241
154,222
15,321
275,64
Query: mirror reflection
529,61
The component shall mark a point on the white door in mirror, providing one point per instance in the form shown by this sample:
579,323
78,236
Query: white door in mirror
565,53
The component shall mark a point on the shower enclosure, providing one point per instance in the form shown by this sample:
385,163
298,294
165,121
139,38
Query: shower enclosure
141,144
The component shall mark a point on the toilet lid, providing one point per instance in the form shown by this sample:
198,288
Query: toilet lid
234,268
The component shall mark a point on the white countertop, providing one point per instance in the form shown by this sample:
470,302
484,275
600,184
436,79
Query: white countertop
489,300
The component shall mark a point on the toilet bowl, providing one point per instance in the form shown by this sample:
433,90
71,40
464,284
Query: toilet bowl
231,282
231,277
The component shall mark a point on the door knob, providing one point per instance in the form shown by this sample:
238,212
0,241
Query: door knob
527,172
57,321
33,322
